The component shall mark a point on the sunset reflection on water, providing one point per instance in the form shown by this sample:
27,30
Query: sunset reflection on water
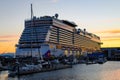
107,71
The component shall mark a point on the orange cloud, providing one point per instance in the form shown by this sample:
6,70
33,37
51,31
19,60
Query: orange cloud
109,31
112,31
110,38
5,40
111,20
7,47
7,43
9,36
111,42
109,34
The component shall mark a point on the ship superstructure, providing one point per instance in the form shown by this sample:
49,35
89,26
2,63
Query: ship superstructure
48,33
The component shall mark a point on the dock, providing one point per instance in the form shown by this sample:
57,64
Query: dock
57,67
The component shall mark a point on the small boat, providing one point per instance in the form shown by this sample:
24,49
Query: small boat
2,67
101,60
27,69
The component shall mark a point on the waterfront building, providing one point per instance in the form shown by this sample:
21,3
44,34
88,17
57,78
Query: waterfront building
59,37
112,53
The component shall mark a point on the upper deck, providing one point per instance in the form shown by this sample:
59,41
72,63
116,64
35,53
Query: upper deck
63,24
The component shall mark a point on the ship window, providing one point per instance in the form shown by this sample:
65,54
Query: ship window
66,52
70,52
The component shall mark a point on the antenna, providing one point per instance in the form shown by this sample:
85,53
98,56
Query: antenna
31,12
56,15
31,29
32,25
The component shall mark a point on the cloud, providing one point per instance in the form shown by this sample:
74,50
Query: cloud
55,1
111,36
111,31
111,20
5,40
111,39
115,31
9,36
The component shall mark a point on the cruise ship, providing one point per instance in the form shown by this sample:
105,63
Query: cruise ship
50,35
58,37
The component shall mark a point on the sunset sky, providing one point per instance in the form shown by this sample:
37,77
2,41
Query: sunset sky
101,17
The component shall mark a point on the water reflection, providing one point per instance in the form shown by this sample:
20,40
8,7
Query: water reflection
107,71
3,75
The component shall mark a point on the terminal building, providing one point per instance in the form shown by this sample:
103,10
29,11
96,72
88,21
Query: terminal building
112,53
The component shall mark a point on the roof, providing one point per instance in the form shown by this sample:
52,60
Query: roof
69,23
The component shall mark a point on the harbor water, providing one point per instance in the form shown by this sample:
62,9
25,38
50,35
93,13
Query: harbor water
107,71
